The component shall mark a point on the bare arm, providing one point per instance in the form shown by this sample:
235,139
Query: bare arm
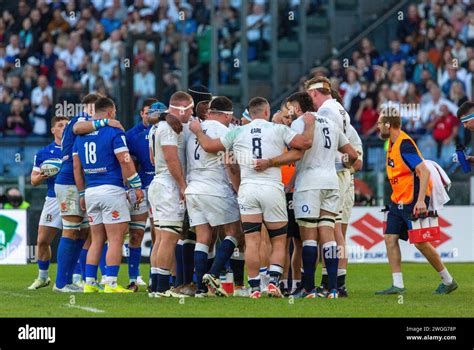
37,178
233,170
423,174
86,126
349,155
305,141
130,173
208,144
286,158
78,174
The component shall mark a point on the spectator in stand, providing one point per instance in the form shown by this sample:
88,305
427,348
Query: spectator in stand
452,78
42,117
467,31
397,77
57,25
395,55
350,87
43,89
13,48
410,24
445,128
469,80
459,52
367,117
109,21
432,109
423,64
258,30
143,83
113,45
367,50
47,60
74,57
17,122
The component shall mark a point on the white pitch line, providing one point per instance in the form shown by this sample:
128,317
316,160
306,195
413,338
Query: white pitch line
85,308
16,294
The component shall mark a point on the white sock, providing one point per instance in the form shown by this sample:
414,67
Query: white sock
295,285
43,275
112,281
91,281
341,272
324,271
446,277
398,279
285,283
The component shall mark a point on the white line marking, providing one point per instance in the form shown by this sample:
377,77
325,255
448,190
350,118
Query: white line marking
85,308
16,294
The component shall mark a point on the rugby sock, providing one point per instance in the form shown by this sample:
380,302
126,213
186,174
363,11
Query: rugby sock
398,279
78,244
210,258
173,281
324,278
254,283
112,273
285,283
295,284
179,263
163,280
237,264
263,271
331,259
302,276
341,277
154,279
135,255
43,266
82,262
188,260
91,274
275,271
65,255
102,263
446,277
200,260
309,256
77,268
223,254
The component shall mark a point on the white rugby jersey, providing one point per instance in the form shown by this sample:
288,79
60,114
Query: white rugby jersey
163,135
206,171
317,169
259,139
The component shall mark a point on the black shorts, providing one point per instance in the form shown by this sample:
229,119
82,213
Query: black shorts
398,218
293,228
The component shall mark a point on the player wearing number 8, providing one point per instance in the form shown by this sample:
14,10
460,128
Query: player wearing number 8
261,196
103,156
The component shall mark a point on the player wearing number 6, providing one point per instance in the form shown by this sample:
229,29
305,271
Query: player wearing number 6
261,197
103,156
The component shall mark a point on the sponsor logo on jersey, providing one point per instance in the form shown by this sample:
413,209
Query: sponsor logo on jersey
115,215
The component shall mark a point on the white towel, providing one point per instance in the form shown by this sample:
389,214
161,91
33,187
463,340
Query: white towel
441,185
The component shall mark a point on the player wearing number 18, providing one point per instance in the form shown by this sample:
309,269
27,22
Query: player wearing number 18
103,156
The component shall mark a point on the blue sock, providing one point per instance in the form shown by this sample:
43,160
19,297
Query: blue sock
275,271
154,279
179,263
309,255
112,270
210,262
91,271
134,262
77,268
188,261
332,260
65,257
82,262
163,280
222,255
102,263
200,260
43,266
79,243
254,282
237,266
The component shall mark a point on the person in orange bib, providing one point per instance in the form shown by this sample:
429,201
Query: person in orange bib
411,186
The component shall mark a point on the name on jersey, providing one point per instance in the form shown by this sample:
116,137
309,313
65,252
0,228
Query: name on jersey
95,170
93,133
256,131
322,120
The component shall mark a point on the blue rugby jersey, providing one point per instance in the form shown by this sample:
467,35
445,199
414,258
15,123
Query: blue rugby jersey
137,141
97,152
48,152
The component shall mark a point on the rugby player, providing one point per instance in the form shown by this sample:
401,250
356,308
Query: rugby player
261,196
103,156
211,200
166,192
50,220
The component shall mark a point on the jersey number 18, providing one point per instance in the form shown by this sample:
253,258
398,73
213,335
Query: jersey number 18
90,149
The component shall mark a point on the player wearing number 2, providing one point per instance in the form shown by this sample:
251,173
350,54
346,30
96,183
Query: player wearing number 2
50,220
103,156
261,197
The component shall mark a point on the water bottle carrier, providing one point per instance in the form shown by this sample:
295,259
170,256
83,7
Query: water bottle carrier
424,228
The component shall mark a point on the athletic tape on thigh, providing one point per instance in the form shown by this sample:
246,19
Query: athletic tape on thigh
327,220
137,225
171,226
278,232
308,223
85,223
250,227
69,225
339,217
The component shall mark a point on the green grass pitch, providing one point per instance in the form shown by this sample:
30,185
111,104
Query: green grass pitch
363,279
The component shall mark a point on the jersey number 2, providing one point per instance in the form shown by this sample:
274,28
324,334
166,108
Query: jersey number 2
196,154
90,149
